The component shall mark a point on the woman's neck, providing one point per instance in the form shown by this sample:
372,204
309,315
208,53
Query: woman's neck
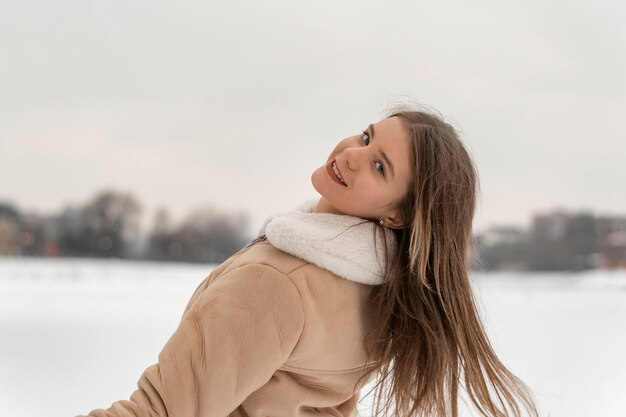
323,206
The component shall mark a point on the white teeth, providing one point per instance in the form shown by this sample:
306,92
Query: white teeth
336,171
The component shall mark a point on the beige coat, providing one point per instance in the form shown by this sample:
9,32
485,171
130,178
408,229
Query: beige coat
265,334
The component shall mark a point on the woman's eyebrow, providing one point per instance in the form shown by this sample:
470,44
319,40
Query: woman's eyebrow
385,157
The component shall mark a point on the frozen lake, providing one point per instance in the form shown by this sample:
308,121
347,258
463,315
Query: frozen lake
76,334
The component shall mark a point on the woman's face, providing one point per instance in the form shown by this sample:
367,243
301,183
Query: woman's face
374,174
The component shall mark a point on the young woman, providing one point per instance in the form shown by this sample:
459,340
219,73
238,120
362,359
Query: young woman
368,282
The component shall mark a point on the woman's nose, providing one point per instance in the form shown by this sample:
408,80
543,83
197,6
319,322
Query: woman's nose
354,157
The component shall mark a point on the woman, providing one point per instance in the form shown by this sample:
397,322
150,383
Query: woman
371,280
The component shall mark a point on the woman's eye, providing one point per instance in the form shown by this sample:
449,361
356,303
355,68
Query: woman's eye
380,167
366,138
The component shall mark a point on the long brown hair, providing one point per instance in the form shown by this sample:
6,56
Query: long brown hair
427,333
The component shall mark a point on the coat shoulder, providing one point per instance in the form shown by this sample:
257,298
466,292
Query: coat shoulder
263,253
337,314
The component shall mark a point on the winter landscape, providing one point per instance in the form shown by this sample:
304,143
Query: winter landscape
75,335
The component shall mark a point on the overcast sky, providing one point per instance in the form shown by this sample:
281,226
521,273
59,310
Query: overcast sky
234,104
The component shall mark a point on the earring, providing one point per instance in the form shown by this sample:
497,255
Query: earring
380,222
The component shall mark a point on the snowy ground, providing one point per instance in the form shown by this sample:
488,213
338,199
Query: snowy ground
76,334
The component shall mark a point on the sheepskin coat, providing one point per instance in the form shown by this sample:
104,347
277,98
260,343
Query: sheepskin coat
276,330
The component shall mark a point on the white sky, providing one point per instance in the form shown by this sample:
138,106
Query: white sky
235,103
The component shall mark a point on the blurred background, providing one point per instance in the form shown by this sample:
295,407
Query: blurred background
142,143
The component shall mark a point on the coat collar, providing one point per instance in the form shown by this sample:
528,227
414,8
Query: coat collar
347,246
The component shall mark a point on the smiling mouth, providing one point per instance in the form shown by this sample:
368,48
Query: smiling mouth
336,174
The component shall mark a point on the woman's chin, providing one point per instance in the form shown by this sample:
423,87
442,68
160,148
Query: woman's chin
317,182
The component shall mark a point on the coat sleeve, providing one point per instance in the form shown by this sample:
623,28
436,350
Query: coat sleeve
238,331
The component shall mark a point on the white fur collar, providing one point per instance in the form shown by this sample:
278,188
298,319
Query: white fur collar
328,241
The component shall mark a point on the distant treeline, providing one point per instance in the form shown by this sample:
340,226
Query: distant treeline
556,241
108,226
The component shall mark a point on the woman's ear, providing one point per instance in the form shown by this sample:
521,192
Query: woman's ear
394,221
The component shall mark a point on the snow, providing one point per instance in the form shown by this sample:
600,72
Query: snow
75,335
